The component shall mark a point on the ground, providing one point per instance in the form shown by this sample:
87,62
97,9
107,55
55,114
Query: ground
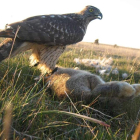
33,103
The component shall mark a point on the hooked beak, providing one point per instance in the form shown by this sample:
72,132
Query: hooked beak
100,16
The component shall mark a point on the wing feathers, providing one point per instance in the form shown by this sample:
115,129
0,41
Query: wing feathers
49,29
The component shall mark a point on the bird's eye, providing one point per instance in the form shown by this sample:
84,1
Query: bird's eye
90,10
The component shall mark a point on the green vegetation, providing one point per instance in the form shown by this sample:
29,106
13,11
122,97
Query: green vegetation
38,114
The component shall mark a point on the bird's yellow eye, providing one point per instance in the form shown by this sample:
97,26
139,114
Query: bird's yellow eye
90,10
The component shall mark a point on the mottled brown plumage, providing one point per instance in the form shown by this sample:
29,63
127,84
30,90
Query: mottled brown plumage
47,35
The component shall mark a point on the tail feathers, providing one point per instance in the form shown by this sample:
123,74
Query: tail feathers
7,33
6,46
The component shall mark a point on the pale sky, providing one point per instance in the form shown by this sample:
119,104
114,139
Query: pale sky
120,24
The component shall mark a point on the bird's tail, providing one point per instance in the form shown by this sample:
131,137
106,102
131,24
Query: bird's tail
7,33
9,48
5,48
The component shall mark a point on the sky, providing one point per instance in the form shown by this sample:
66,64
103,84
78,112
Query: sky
120,24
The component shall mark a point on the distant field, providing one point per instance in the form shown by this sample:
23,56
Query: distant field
125,59
31,101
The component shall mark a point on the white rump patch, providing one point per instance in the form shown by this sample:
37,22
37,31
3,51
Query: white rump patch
8,27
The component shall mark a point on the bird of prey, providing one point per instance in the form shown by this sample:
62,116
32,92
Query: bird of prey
46,35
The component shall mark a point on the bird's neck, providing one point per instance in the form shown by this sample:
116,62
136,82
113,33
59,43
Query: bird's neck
86,20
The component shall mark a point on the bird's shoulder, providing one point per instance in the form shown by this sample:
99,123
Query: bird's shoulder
51,20
54,16
73,17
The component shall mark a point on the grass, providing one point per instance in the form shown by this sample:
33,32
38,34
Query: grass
38,114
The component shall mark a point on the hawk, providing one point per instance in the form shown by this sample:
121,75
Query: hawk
46,35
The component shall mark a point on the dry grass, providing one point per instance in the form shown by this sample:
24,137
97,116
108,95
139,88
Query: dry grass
105,49
38,114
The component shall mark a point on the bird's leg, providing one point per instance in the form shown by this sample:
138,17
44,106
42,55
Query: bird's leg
48,58
46,76
34,58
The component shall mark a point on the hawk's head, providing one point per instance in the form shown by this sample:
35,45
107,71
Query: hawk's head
91,13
